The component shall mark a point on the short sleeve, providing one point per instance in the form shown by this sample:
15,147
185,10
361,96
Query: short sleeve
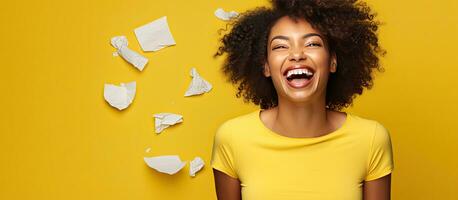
381,155
222,154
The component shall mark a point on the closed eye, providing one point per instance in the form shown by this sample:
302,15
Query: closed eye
279,47
313,44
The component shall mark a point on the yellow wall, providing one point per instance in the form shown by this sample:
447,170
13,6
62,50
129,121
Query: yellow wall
59,139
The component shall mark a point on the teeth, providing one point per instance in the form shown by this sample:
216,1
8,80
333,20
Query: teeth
299,71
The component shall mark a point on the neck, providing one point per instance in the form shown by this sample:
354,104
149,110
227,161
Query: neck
302,120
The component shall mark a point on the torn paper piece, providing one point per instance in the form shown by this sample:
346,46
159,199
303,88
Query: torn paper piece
121,96
155,35
196,165
198,85
225,16
165,164
164,120
148,150
137,60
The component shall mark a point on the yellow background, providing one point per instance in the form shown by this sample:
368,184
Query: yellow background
59,139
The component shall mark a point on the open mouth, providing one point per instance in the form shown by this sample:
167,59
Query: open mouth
303,73
299,77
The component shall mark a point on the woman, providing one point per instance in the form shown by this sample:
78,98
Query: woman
302,61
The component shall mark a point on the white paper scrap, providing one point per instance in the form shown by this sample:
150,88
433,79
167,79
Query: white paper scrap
137,60
155,35
225,16
196,165
121,96
164,120
198,85
165,164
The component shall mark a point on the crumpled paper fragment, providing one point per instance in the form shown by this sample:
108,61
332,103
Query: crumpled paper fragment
121,96
165,164
225,16
198,85
137,60
155,35
196,165
164,120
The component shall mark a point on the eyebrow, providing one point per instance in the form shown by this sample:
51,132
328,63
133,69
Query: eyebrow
303,37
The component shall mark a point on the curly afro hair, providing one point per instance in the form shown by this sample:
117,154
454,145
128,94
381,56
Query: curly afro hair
348,26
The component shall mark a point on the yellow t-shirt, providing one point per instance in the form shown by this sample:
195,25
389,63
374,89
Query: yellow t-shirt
270,166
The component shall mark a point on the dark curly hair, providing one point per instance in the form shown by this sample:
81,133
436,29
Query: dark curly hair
348,26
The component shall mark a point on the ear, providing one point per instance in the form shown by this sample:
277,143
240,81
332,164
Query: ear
333,67
266,70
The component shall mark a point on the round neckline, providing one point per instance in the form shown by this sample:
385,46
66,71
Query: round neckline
328,135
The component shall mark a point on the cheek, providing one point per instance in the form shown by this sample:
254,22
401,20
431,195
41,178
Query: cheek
320,58
276,60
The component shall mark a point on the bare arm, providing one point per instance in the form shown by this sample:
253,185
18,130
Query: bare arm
227,188
378,189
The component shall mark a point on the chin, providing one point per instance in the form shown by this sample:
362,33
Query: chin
299,97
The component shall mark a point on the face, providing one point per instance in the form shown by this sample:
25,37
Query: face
298,61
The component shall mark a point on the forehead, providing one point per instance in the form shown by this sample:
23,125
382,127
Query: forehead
287,26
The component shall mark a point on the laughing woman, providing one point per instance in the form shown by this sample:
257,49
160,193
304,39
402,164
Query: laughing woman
302,62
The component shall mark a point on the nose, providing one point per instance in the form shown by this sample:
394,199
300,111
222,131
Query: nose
297,55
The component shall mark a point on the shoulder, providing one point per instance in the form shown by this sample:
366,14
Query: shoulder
242,121
366,124
237,124
370,128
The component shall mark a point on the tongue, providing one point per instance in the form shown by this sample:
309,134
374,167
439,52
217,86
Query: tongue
297,80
